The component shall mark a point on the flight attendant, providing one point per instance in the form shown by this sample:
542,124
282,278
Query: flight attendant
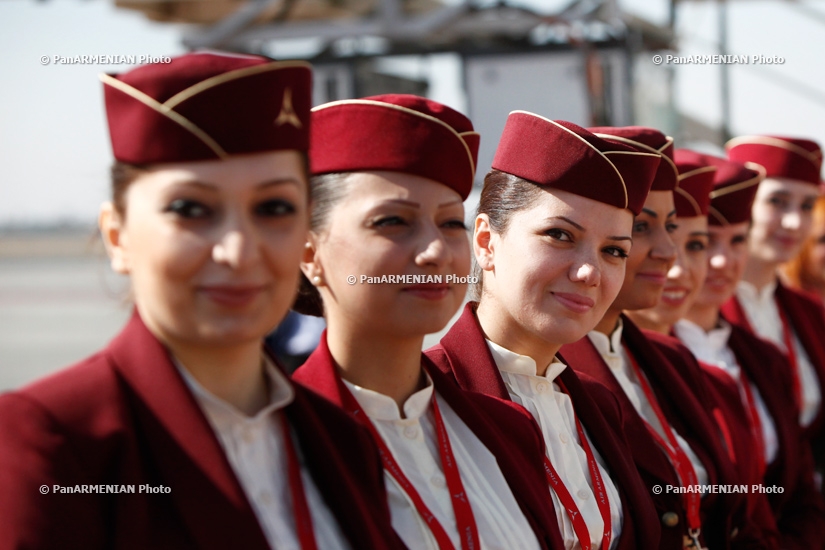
183,432
781,220
760,373
807,270
685,281
551,237
389,256
670,415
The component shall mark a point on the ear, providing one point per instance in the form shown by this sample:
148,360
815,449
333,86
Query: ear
112,231
310,264
484,243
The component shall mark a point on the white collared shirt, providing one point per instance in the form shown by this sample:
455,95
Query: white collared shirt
256,451
412,440
619,364
712,348
763,315
553,411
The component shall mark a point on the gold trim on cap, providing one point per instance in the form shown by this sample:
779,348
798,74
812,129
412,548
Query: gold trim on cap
721,192
697,171
640,145
222,78
718,215
165,111
409,111
814,157
577,136
688,197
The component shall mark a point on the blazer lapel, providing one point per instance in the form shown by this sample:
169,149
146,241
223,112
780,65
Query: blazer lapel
808,324
473,366
583,357
181,443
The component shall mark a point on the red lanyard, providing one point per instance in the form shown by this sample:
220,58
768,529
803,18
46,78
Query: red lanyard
756,422
678,457
579,525
303,519
465,521
791,350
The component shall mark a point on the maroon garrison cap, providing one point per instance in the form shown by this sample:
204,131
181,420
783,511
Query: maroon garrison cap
734,189
648,140
782,157
395,132
696,177
564,156
208,105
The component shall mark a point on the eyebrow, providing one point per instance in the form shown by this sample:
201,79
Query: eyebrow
653,214
699,234
580,228
263,185
412,204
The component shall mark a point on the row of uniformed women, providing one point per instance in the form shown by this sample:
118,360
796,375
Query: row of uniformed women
574,415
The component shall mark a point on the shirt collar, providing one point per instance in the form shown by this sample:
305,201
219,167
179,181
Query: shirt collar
378,406
223,414
608,346
747,291
695,337
512,362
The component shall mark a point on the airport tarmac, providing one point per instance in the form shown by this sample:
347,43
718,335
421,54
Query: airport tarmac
59,302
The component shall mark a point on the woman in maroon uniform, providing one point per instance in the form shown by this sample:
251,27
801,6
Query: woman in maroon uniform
781,220
183,432
388,253
551,237
760,374
669,413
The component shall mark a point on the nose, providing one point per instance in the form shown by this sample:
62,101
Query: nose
675,271
237,247
586,271
791,220
663,247
434,249
717,259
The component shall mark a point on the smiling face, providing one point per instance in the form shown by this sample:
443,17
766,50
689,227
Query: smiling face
391,223
551,273
685,279
212,247
652,255
727,255
782,218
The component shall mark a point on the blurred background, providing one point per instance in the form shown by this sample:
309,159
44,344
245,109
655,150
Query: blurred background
586,61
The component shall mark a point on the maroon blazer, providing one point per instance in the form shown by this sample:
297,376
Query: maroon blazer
685,401
807,319
126,417
800,509
464,356
519,451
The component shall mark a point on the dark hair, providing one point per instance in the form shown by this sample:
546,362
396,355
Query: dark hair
326,191
502,196
122,176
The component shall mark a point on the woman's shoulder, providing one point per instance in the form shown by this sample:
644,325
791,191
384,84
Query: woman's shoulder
70,397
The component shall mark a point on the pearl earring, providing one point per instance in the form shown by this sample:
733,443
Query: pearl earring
317,280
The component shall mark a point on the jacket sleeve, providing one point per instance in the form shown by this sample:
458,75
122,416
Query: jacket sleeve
36,460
